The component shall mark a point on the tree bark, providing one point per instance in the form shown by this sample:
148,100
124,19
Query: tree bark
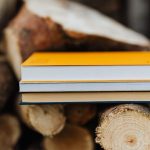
72,138
48,120
124,127
7,81
80,114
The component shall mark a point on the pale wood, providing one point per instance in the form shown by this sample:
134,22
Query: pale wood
124,127
48,120
72,138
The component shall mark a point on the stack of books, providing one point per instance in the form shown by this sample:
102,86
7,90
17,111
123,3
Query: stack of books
59,77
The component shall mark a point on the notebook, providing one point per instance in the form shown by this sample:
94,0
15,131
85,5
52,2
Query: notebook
85,97
87,66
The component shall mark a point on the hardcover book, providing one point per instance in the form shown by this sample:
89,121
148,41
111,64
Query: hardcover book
87,66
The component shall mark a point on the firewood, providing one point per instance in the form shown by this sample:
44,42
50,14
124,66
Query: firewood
57,25
111,7
7,83
45,119
5,14
80,114
28,33
72,138
124,127
9,132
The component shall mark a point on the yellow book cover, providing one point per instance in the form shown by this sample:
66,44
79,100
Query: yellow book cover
88,59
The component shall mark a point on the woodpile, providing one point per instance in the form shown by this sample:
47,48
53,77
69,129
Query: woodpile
111,8
7,83
67,137
5,14
9,131
80,114
124,127
45,119
91,32
66,126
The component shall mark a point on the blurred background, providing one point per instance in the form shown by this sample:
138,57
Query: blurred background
132,13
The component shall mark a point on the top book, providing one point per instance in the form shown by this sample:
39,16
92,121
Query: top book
87,66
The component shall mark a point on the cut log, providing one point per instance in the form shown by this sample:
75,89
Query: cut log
7,82
72,138
54,25
9,132
45,119
124,127
80,114
111,7
28,33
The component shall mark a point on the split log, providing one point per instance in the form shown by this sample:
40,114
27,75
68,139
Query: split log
9,132
124,127
58,25
80,114
72,138
45,119
7,82
111,7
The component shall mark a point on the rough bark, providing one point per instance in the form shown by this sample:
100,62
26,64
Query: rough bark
72,138
48,120
80,114
9,132
7,83
43,28
124,127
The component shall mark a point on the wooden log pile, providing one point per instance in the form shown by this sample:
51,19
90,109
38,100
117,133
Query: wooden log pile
70,126
124,127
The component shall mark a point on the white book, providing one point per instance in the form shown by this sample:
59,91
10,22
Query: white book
85,73
87,66
83,86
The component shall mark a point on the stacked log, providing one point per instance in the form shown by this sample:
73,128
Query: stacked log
23,35
65,126
7,82
124,127
9,131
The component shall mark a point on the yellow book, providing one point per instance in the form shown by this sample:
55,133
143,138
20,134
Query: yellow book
87,67
88,59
